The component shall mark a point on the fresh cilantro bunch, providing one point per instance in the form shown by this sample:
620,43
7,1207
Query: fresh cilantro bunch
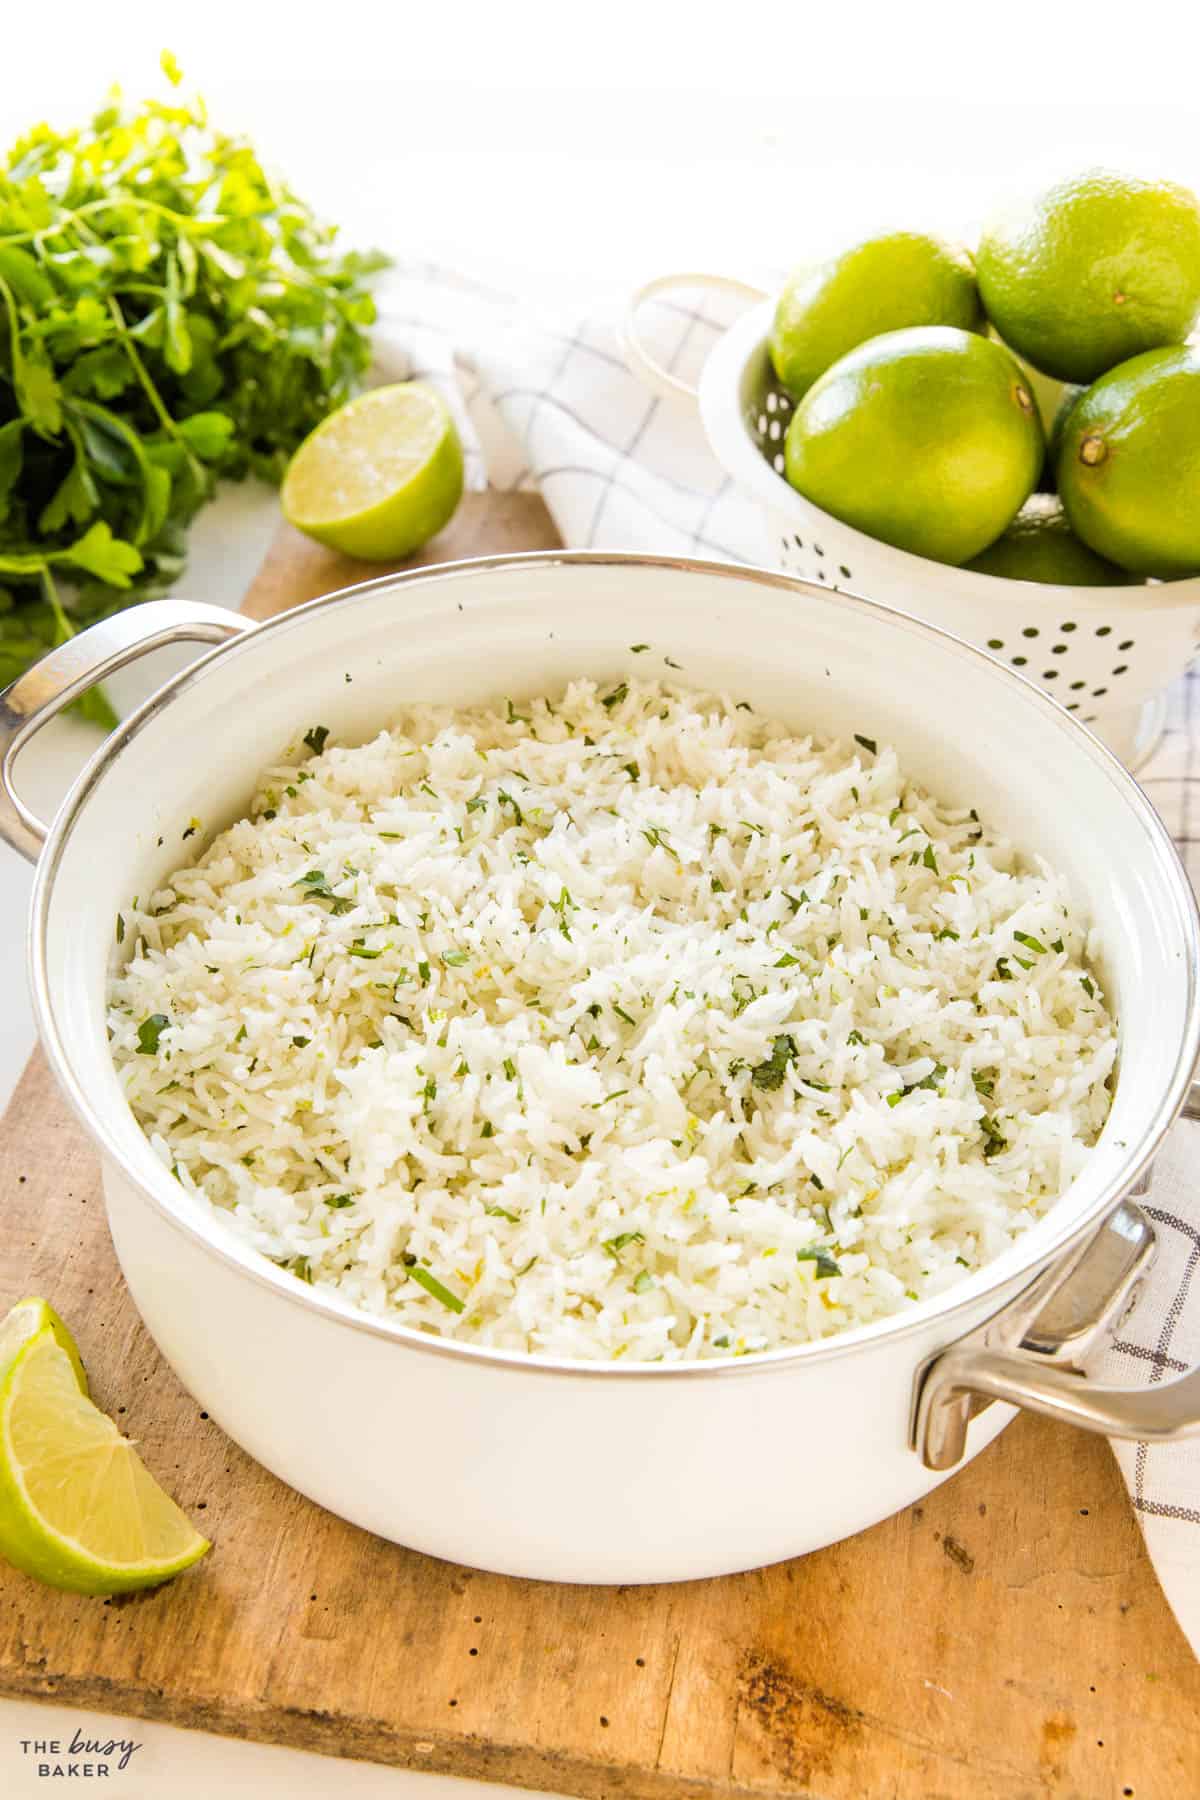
170,314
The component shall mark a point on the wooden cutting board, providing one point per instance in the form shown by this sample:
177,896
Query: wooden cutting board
1005,1639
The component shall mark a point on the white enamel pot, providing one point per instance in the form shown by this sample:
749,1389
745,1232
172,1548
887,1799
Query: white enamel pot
595,1472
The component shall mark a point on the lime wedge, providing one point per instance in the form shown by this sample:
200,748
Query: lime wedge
24,1321
78,1508
379,477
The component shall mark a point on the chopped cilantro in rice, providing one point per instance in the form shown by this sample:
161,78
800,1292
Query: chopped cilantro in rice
627,1024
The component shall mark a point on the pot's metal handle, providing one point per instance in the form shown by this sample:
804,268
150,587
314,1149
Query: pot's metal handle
648,370
73,668
1030,1354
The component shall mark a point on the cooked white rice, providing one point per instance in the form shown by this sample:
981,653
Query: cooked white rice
627,1025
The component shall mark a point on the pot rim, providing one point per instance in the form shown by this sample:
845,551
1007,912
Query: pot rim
942,1309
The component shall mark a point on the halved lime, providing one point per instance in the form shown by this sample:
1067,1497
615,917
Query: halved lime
24,1321
379,477
78,1507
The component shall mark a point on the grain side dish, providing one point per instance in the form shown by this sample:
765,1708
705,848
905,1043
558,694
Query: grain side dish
622,1024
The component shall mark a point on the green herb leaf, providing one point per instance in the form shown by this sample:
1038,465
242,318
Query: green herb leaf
769,1074
994,1140
433,1286
826,1265
615,1245
149,1032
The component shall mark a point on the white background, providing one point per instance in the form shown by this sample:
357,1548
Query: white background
573,148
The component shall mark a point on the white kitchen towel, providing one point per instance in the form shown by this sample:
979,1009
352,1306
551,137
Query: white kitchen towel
549,402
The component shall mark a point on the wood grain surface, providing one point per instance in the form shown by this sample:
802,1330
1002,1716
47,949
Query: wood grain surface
1005,1639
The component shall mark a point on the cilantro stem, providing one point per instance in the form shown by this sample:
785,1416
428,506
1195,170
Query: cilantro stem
151,392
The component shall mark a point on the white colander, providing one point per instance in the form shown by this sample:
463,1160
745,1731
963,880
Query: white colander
1106,653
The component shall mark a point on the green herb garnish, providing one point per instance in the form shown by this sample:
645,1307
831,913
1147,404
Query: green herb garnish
433,1286
656,837
770,1074
867,743
149,1032
316,882
994,1140
615,1245
826,1265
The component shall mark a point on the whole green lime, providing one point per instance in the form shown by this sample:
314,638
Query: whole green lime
1039,545
882,285
1093,271
928,439
1129,463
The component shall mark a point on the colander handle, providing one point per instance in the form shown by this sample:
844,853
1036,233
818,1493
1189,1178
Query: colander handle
79,664
651,373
